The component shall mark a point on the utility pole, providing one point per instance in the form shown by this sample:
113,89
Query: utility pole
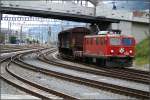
21,34
62,26
49,35
95,10
42,33
0,28
39,37
8,34
42,37
0,25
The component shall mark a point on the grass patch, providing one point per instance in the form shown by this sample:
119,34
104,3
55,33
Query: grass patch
141,61
143,52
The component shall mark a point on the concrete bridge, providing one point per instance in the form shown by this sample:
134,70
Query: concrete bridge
89,11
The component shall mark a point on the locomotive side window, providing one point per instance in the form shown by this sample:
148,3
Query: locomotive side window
97,41
91,41
87,41
104,41
115,41
127,41
101,41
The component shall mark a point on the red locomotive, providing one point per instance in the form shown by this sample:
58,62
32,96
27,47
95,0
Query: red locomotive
108,48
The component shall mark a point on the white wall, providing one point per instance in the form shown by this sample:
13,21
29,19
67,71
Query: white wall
125,27
138,30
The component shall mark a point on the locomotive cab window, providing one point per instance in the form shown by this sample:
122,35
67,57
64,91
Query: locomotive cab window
127,41
115,41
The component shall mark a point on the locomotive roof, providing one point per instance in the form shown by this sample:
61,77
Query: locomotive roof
76,29
108,35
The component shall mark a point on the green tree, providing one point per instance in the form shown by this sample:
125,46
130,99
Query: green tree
34,41
28,40
13,39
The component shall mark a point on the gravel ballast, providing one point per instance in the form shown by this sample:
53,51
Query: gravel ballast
120,82
77,90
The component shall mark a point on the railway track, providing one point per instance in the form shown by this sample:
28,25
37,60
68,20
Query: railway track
121,70
138,71
11,50
143,76
134,72
29,86
12,80
96,84
15,49
127,74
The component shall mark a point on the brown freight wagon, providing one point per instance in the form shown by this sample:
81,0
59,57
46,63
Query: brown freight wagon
72,40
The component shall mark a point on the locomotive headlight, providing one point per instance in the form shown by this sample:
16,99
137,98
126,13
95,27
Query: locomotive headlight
121,50
130,51
112,51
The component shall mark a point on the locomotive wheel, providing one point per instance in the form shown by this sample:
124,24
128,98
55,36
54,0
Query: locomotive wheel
118,64
88,60
111,64
101,62
127,64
